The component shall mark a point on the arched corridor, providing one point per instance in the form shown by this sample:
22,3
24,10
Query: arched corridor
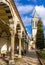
13,36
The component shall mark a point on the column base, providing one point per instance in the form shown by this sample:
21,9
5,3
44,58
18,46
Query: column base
11,62
19,56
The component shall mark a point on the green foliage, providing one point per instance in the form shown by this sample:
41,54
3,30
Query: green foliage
42,54
40,35
44,42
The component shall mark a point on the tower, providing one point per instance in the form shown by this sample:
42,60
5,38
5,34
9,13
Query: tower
34,25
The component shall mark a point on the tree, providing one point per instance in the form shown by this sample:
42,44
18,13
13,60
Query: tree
44,42
40,35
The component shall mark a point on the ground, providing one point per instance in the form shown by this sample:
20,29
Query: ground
29,59
2,62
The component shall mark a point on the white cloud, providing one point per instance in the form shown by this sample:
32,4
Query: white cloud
24,9
41,12
26,21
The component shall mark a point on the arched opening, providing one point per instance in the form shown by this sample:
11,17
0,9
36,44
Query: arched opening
23,40
24,43
5,13
18,31
5,17
3,42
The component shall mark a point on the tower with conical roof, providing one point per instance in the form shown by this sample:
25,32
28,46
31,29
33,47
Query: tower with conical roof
34,25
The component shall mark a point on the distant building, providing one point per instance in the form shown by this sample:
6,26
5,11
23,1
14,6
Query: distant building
34,25
34,30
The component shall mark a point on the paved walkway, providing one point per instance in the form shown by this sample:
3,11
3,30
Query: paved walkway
30,59
2,62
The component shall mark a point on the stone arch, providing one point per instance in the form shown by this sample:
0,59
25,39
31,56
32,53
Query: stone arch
5,1
6,13
23,41
23,34
5,16
3,41
18,28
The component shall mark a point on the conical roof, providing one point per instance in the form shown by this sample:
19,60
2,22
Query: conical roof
35,14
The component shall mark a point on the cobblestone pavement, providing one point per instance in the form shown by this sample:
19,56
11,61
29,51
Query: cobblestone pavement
2,62
30,59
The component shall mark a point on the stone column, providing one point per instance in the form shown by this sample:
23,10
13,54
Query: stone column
12,44
19,48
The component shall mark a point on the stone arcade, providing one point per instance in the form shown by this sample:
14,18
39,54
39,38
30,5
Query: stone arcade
13,36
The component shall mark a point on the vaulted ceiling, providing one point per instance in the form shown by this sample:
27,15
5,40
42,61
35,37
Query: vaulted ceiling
5,15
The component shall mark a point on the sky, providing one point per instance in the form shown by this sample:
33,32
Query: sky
26,11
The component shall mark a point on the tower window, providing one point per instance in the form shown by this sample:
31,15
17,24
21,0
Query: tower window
35,24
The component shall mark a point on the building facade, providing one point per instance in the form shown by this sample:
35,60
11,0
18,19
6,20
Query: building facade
13,36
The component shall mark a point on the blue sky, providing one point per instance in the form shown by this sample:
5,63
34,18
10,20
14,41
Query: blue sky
26,11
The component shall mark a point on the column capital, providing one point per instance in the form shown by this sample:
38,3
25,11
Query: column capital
12,32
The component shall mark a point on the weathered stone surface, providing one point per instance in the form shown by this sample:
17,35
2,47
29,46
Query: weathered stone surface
11,62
